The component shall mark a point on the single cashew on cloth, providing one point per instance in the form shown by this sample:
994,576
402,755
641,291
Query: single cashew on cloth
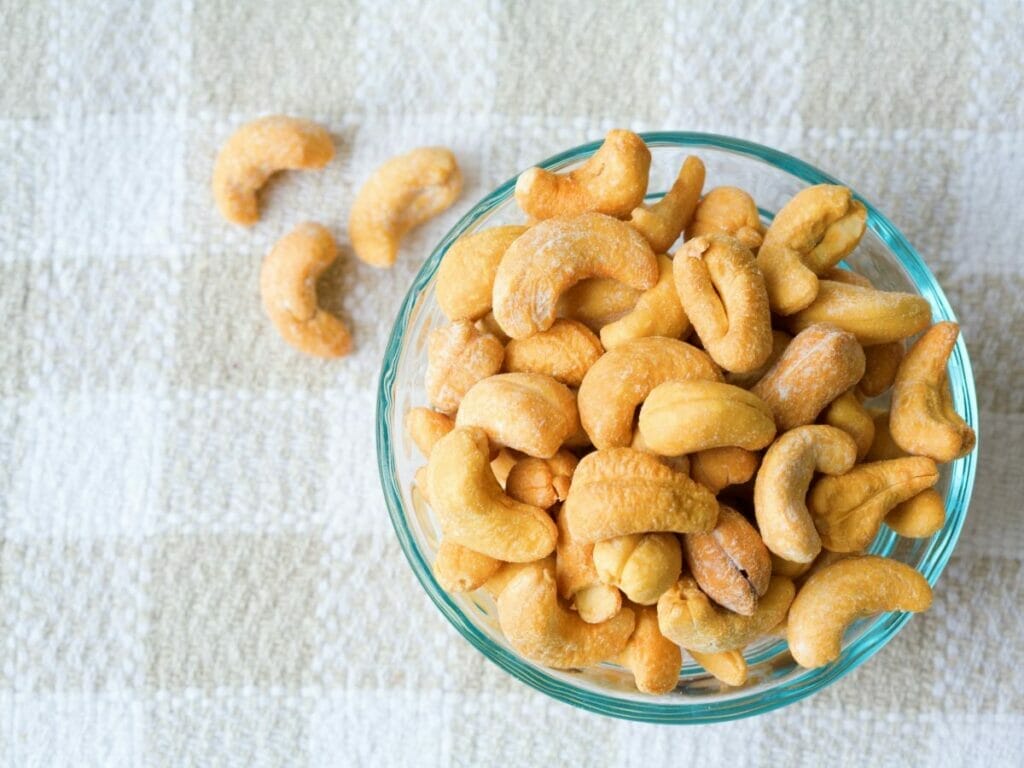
258,150
400,195
288,289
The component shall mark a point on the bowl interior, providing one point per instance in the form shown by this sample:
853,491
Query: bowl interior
883,255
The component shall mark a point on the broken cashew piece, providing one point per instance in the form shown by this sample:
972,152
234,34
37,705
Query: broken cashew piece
918,517
578,581
460,569
728,666
565,352
541,482
612,181
258,150
401,194
658,312
288,289
425,427
727,211
662,222
848,414
847,590
642,565
718,468
654,660
465,277
459,356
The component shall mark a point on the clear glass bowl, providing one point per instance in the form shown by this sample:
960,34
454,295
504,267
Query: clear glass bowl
884,255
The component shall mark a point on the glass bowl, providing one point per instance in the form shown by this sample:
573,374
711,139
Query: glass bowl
884,255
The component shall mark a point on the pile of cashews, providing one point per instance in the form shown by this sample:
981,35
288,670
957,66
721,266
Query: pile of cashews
404,192
637,452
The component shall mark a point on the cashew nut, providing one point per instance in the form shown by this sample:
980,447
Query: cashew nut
465,277
460,569
657,312
459,356
618,491
727,211
883,446
554,255
881,361
848,509
642,565
839,594
541,482
678,463
681,417
258,150
654,660
472,508
782,482
487,324
495,585
613,181
923,420
565,352
597,301
545,632
718,468
723,292
425,427
578,580
623,378
728,666
288,288
780,340
848,414
401,194
662,222
918,517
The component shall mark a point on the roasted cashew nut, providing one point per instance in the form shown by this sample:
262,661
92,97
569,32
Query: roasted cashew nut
598,301
258,150
918,517
847,590
465,277
425,427
565,352
400,195
460,569
727,211
654,660
728,666
577,579
642,565
657,312
848,413
881,361
662,222
288,289
541,482
459,356
718,468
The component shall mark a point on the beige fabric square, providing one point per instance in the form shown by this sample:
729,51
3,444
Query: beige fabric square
27,60
24,148
997,35
16,277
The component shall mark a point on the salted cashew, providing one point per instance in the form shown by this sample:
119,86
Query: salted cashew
496,584
848,414
780,340
782,482
883,446
425,427
728,666
597,301
718,468
642,565
613,181
730,562
722,290
565,352
727,211
923,420
558,253
474,511
578,582
258,150
465,277
545,632
460,569
662,222
815,230
459,356
848,509
688,618
541,482
680,417
918,517
288,289
527,412
657,312
839,594
818,365
654,660
618,491
881,361
874,317
623,378
401,194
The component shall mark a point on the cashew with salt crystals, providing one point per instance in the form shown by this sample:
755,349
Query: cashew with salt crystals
848,414
718,468
654,660
839,594
727,211
598,301
258,150
401,194
426,427
459,356
288,288
465,277
554,255
541,482
728,666
613,181
662,222
460,569
918,517
565,352
781,487
657,312
577,579
642,565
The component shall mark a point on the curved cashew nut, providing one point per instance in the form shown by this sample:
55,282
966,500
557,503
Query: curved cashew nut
554,255
619,491
688,618
658,312
918,517
843,592
721,288
881,361
258,150
727,211
288,288
654,660
662,222
923,419
680,417
642,565
578,581
613,181
815,230
472,508
848,413
460,569
459,356
426,427
874,317
728,666
848,509
718,468
545,632
782,483
541,482
623,378
400,195
465,277
597,301
565,352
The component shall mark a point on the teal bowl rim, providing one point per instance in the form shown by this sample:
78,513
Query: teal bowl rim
882,629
